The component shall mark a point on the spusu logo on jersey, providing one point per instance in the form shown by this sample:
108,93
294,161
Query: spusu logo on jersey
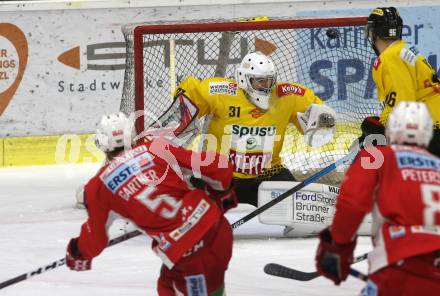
251,148
286,89
261,131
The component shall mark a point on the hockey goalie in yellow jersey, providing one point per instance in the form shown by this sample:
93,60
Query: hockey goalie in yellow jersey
249,117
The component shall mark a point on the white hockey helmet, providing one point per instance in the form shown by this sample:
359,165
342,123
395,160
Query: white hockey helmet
257,69
409,123
111,132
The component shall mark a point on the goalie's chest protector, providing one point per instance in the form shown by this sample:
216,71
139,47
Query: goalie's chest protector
253,137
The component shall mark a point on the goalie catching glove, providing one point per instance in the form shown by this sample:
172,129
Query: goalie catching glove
318,124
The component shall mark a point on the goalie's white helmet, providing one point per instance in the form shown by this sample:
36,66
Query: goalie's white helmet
111,132
409,123
257,69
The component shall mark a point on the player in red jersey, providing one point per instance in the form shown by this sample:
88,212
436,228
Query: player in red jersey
148,186
400,185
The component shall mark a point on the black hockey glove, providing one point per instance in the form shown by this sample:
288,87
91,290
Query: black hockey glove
198,183
373,134
225,200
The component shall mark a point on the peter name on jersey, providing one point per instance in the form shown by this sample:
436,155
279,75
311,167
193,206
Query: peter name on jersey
418,168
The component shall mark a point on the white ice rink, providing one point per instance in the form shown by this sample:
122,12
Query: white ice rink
37,218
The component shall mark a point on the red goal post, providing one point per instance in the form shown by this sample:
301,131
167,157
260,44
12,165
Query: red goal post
328,55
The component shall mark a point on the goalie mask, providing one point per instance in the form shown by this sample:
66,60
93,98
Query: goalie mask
410,123
111,132
256,75
383,22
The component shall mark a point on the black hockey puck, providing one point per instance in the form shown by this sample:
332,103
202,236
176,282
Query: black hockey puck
332,33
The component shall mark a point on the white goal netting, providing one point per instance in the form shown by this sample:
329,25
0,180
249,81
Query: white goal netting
330,56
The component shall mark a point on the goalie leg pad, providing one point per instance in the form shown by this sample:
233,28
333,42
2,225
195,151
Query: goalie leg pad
306,212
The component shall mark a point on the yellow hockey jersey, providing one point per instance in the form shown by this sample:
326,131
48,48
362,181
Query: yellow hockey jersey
401,73
252,137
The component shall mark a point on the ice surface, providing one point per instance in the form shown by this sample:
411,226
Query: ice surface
37,218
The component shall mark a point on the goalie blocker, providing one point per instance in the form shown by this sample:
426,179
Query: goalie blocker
307,212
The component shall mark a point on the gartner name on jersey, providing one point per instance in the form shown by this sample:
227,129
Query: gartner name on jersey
120,178
223,88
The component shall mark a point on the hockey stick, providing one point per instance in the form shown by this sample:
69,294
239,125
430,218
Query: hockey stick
294,274
172,70
347,158
357,274
61,262
243,220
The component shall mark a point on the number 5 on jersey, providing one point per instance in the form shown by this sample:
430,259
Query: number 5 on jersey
167,205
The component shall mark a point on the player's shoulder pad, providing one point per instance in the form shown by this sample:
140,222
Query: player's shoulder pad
189,82
220,86
409,54
290,88
191,79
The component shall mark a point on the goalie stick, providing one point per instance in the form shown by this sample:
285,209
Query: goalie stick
294,274
344,160
61,262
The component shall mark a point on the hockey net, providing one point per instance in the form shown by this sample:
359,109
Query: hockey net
331,56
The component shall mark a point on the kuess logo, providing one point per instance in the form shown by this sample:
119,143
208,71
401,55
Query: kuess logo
13,60
98,55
